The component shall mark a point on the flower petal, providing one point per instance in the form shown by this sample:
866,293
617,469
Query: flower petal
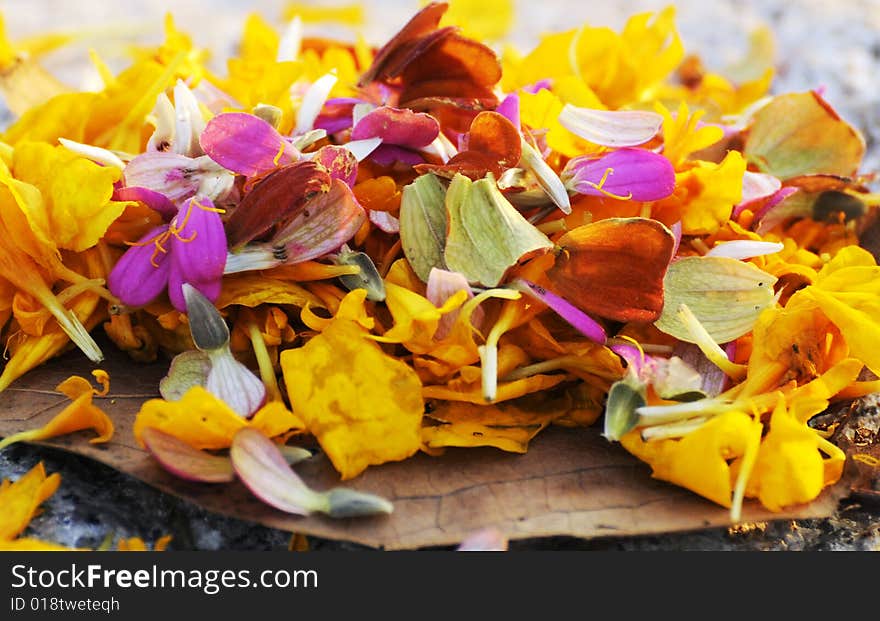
186,462
401,127
246,144
141,274
637,174
611,128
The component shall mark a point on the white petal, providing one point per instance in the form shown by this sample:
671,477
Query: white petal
362,148
546,177
744,249
189,121
611,128
313,100
291,41
96,154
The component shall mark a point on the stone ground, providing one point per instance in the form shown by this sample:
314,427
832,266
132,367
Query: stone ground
819,43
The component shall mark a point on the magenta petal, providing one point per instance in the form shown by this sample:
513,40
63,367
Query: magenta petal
199,244
338,162
152,199
404,128
509,109
634,357
336,115
389,154
775,199
577,318
639,174
210,289
141,274
540,85
246,144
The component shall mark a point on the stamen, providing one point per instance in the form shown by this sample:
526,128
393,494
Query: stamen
264,362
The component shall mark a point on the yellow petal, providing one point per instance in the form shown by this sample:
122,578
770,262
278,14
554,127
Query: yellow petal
698,461
712,191
76,193
363,406
205,422
79,415
22,499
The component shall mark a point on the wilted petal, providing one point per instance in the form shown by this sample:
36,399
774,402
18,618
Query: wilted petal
141,274
207,327
611,128
442,285
329,220
246,144
152,199
274,200
636,174
546,177
401,127
163,136
186,462
96,154
385,222
338,162
755,187
175,176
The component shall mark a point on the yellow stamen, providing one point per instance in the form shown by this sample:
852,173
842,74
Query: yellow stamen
264,362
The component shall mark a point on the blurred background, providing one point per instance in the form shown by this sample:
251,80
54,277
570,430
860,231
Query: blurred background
816,43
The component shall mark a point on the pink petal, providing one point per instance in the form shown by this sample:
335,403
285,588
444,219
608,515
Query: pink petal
509,109
442,285
152,199
246,144
385,221
182,460
135,280
578,319
338,162
639,174
401,127
263,469
389,154
756,186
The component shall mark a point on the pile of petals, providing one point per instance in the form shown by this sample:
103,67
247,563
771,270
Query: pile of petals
434,244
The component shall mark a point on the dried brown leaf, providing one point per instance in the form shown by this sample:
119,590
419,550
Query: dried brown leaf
571,481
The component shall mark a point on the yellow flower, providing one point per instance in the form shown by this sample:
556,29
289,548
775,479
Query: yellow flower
480,19
23,81
621,69
707,192
682,136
